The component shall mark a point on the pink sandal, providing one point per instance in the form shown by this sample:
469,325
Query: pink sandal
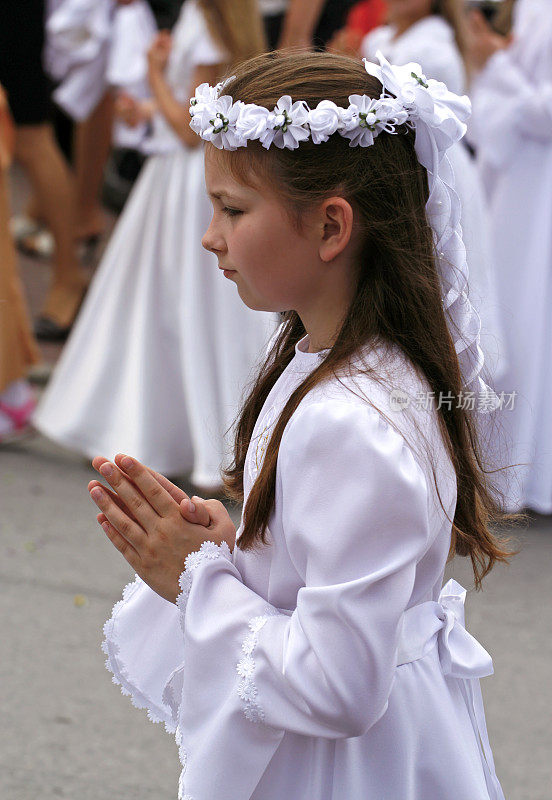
20,416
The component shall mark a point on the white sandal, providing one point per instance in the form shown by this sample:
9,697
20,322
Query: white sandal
31,237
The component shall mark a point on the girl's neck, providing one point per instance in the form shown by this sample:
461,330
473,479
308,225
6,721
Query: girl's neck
324,318
402,22
323,331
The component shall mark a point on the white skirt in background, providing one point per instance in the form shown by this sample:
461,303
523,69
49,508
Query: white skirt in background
158,359
521,224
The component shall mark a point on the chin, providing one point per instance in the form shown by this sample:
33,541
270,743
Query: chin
257,303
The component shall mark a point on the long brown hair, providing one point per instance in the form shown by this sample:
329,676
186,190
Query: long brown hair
398,297
236,25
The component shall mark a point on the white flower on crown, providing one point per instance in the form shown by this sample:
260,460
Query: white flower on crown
324,120
252,121
366,117
203,107
204,95
217,123
285,125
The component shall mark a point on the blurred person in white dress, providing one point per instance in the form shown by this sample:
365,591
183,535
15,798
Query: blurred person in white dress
512,131
158,291
432,33
86,42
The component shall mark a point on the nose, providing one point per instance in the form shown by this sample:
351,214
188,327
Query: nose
211,240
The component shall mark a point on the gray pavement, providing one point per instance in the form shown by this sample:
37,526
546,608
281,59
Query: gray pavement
68,732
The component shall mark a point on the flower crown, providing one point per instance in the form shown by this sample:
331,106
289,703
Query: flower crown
230,124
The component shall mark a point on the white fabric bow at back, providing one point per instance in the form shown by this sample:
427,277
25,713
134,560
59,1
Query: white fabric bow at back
438,118
461,656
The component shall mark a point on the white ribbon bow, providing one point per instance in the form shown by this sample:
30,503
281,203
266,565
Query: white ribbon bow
461,656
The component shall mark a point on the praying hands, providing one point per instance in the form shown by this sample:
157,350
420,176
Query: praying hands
153,523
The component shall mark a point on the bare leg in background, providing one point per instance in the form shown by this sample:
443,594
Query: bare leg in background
37,151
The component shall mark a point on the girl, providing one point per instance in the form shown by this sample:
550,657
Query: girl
433,33
320,658
161,347
512,130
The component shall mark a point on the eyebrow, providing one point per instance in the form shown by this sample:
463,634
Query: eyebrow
219,195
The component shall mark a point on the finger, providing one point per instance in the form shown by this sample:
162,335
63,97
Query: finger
131,495
217,511
97,464
118,519
98,461
221,520
175,492
156,495
194,510
123,546
114,496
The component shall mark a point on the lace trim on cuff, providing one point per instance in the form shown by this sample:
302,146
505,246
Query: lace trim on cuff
247,690
118,670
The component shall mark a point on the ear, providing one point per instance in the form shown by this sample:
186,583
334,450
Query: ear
337,221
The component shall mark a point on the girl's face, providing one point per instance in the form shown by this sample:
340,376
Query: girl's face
274,266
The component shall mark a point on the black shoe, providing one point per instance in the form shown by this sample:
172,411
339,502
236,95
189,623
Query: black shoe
46,330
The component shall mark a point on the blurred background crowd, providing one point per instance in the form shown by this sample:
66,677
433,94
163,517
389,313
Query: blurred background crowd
94,123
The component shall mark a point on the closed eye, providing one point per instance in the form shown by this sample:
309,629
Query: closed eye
231,212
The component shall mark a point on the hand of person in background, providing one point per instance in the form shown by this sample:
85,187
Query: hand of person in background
146,524
483,41
159,52
131,111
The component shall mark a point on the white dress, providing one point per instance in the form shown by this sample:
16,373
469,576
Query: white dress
327,664
96,45
430,43
163,346
512,130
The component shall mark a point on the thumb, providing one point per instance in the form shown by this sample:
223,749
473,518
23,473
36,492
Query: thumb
195,511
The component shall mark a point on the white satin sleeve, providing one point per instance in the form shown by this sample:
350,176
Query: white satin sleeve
355,519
